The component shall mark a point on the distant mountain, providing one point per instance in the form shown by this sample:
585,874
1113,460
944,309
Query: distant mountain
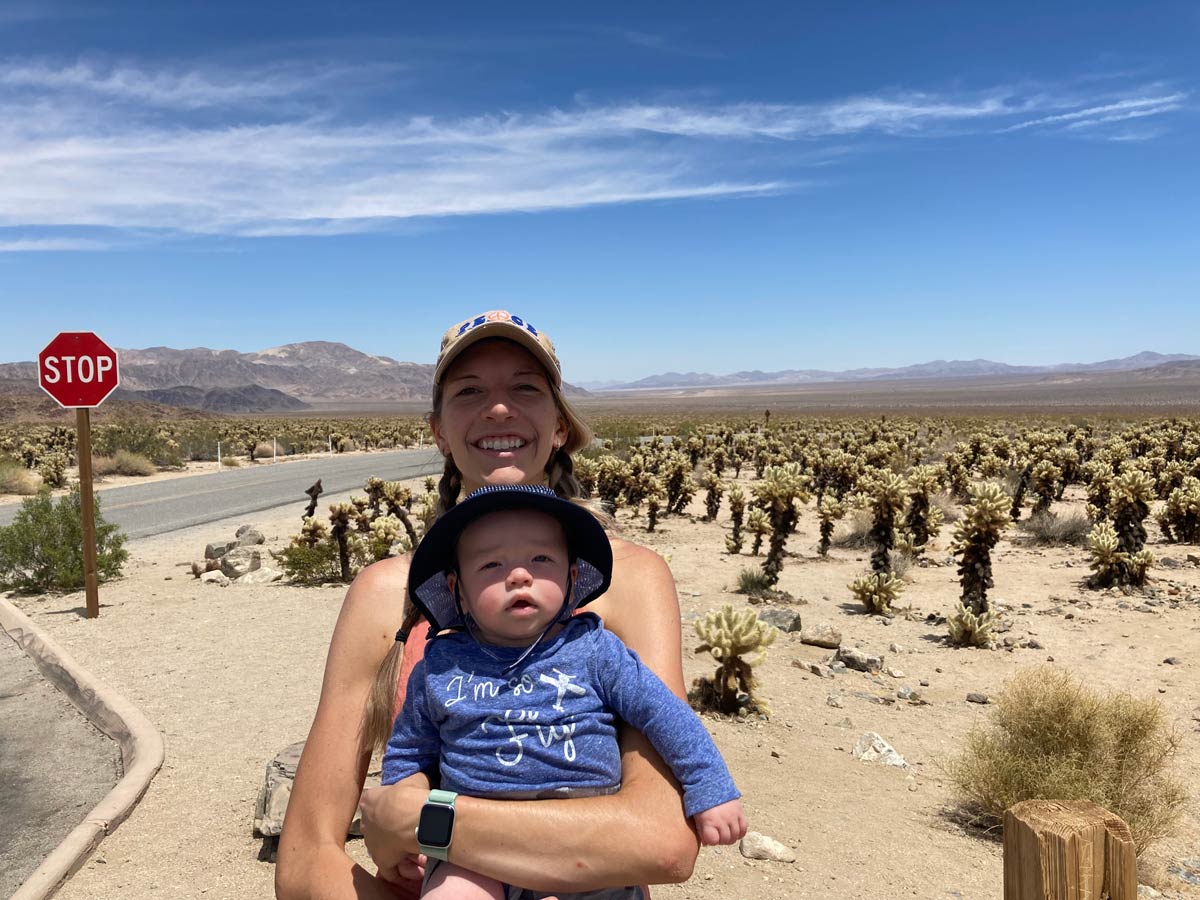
938,368
23,401
313,372
247,398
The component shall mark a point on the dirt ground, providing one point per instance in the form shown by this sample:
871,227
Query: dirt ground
231,676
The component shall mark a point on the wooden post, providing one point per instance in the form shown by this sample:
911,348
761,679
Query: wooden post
83,449
1067,850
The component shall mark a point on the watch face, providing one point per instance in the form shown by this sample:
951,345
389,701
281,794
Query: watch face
436,825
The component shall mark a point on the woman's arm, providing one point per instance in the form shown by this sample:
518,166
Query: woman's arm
638,835
312,861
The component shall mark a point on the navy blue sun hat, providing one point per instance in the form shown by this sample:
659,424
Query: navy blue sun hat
435,555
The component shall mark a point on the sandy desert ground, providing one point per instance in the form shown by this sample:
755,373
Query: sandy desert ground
231,675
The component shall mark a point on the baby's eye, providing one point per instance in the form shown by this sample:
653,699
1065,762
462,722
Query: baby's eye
543,558
491,564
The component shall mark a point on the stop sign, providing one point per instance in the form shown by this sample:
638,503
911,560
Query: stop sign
78,369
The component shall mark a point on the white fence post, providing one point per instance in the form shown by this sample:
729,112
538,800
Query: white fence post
218,456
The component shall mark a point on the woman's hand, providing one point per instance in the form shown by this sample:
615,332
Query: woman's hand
389,822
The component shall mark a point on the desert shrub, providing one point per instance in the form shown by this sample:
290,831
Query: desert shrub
1050,737
127,463
230,461
1047,529
15,478
263,450
42,550
310,564
753,582
855,531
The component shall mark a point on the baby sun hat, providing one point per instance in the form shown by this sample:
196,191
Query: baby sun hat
435,555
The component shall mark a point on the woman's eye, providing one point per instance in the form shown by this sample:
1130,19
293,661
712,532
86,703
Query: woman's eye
529,387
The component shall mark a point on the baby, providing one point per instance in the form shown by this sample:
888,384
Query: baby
516,697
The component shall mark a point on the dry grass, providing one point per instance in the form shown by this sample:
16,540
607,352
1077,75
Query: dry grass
853,532
263,450
16,479
1053,738
951,512
1047,529
230,461
123,463
752,582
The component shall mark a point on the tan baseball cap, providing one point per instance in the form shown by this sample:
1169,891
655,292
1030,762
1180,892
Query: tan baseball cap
497,323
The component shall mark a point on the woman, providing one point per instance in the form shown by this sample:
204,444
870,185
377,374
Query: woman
498,418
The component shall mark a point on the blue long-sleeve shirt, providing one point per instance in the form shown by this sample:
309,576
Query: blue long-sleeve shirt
548,727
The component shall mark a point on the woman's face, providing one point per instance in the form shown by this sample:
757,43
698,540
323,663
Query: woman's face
498,418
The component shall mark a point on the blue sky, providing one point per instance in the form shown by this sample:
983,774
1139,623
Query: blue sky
691,186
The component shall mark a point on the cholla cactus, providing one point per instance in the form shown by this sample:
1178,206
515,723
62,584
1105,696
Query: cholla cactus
958,476
712,502
655,495
1111,565
877,591
829,512
1099,477
53,468
312,532
1044,481
777,495
757,525
340,516
737,512
610,481
730,635
1180,518
968,629
387,537
587,470
884,496
1132,492
923,520
984,520
679,484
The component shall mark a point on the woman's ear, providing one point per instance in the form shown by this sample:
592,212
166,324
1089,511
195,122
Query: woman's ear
561,433
440,441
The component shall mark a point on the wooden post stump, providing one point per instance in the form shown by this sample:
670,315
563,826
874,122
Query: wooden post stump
1067,850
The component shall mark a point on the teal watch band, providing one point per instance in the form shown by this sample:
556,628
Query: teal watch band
435,828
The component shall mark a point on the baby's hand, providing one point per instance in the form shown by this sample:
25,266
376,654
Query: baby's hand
722,824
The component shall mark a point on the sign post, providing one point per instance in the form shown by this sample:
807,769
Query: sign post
78,370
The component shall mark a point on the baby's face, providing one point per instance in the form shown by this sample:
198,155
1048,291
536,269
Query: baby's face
513,569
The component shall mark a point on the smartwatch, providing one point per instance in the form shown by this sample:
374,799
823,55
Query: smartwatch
435,828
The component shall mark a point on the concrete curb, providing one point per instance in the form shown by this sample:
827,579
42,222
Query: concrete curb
141,751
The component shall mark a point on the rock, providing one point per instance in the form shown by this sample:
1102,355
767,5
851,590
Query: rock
895,648
248,535
1144,890
783,619
215,577
1170,562
758,846
837,667
240,560
821,635
817,669
872,748
834,700
219,549
976,697
1034,644
923,682
1193,559
907,693
857,659
1173,661
1187,870
894,673
262,575
277,790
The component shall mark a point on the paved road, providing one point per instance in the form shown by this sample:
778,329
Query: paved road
142,510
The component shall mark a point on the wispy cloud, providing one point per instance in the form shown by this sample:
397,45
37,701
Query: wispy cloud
1132,108
145,161
35,245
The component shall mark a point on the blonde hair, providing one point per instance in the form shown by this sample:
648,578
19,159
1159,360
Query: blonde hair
380,713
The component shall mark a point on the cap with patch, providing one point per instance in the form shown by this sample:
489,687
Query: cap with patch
497,323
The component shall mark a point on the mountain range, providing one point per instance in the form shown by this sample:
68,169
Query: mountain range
330,375
938,368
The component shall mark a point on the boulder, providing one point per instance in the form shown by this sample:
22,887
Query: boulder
758,846
821,635
240,560
218,549
872,748
277,790
859,659
215,577
248,536
263,575
783,619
